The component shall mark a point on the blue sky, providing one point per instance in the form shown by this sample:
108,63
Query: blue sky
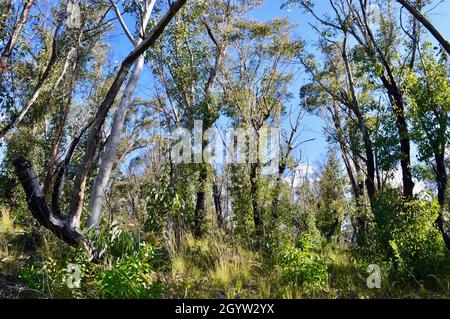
312,152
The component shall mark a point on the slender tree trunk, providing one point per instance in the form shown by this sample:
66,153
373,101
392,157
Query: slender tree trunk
60,129
276,198
37,90
405,146
441,179
203,176
254,189
396,99
217,196
76,204
356,189
67,227
354,106
427,24
199,213
7,51
110,153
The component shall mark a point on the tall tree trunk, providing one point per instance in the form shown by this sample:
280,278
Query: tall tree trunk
405,143
60,127
76,204
110,152
199,213
441,179
217,196
355,107
37,89
356,188
7,51
395,96
203,176
255,169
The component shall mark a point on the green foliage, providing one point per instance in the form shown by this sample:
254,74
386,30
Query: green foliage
405,235
332,201
302,267
429,96
131,276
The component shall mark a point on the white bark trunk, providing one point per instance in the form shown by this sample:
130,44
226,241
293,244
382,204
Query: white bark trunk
110,154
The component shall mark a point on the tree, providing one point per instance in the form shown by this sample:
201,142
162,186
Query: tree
67,227
331,197
8,49
429,96
110,151
426,23
256,90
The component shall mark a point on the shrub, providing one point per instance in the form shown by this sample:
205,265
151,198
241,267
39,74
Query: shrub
131,276
48,278
406,236
299,267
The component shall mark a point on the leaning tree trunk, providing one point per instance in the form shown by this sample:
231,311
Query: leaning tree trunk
46,216
67,227
8,50
76,204
354,105
427,24
203,176
217,196
110,154
37,89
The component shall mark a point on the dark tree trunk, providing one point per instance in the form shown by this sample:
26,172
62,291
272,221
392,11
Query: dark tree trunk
199,212
396,99
370,158
276,198
217,195
441,179
46,216
416,13
257,211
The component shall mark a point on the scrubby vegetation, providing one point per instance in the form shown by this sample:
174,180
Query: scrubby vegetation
103,194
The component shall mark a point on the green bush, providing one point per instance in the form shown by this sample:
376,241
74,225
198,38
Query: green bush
299,267
405,235
48,278
131,276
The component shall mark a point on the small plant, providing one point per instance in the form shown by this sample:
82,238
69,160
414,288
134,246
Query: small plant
298,267
132,276
7,226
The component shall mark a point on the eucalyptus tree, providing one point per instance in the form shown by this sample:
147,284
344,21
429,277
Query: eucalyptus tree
143,13
15,33
337,80
256,86
67,226
188,64
375,30
429,96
